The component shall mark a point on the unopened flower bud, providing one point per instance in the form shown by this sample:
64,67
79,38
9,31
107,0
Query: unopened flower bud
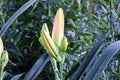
48,43
58,27
64,44
4,59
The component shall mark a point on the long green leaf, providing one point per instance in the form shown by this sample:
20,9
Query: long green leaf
16,15
86,60
37,67
16,77
93,59
102,61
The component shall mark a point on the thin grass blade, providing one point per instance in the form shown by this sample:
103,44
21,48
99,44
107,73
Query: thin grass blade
16,15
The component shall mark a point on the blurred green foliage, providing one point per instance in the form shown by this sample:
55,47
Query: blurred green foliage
85,22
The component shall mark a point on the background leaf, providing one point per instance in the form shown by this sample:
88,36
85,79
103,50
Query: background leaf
87,60
37,67
16,77
16,15
85,22
102,61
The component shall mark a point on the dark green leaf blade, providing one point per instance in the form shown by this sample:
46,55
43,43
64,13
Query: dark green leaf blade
37,67
93,59
16,77
102,61
86,60
16,15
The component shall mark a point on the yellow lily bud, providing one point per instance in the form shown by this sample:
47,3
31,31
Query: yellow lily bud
64,44
48,44
58,27
1,47
4,59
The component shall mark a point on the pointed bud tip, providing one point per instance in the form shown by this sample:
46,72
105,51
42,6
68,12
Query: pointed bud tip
44,24
60,10
45,28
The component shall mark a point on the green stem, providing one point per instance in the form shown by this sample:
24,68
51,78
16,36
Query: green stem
62,66
61,71
1,72
1,67
104,75
54,65
58,74
112,4
79,7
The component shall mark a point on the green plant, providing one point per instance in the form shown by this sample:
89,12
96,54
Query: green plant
57,45
87,24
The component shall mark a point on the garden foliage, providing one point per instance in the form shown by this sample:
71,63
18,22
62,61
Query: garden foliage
91,27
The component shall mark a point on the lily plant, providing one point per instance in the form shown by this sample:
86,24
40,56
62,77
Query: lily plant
3,59
56,45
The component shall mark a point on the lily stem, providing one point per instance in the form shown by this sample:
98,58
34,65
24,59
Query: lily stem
56,71
62,66
1,72
61,71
